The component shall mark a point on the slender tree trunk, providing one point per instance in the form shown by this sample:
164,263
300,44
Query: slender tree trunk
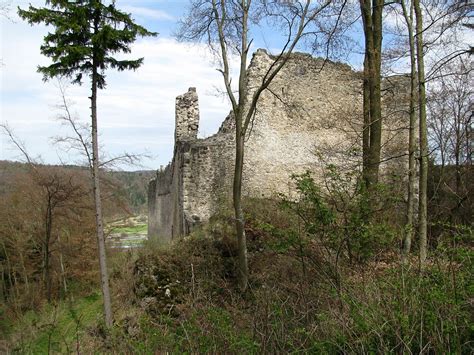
408,237
243,269
6,271
422,210
3,286
457,160
366,126
104,277
23,268
243,273
468,135
61,263
243,111
366,11
47,240
372,20
375,94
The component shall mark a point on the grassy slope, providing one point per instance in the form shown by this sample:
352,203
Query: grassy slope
141,228
56,328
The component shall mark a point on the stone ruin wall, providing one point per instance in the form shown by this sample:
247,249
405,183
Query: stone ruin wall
187,191
297,117
309,117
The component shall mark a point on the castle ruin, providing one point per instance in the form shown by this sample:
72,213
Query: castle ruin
310,115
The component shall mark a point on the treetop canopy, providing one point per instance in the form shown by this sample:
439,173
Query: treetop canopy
86,34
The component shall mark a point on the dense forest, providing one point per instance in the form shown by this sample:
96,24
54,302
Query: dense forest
357,261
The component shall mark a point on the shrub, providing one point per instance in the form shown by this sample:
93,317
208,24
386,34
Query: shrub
338,219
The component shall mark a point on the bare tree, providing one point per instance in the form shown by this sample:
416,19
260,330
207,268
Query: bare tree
458,9
450,111
423,137
407,12
80,141
226,27
450,103
441,30
59,191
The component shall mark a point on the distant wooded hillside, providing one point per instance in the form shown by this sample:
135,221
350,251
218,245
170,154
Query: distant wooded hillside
129,186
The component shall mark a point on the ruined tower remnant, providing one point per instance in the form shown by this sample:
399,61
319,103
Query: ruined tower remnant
187,116
309,116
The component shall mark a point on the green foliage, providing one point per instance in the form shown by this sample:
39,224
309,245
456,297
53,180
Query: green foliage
339,219
56,328
404,310
86,35
310,206
205,330
139,228
132,187
5,323
213,330
367,234
381,307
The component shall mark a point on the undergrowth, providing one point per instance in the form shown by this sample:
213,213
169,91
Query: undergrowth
314,288
184,298
56,328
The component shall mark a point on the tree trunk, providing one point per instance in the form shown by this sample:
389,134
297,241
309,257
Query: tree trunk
243,111
61,263
372,21
422,210
6,272
104,277
375,95
243,269
366,126
47,240
243,272
457,155
408,237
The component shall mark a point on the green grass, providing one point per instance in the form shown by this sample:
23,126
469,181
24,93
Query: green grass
56,328
140,228
5,323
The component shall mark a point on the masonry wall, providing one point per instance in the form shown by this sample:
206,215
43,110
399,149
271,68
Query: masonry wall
299,119
189,190
309,117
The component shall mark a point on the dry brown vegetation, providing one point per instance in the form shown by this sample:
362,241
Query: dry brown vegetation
186,297
47,245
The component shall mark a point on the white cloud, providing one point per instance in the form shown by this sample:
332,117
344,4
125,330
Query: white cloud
147,13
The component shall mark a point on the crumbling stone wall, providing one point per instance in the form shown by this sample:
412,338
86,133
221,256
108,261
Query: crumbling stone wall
299,118
311,115
187,191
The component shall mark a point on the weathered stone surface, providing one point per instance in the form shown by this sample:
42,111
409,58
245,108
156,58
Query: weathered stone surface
310,115
187,116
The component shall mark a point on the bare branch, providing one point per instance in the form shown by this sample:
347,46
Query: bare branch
17,143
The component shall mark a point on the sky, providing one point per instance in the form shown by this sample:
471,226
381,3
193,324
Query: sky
136,110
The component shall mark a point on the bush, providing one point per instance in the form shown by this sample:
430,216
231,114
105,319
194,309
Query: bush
343,219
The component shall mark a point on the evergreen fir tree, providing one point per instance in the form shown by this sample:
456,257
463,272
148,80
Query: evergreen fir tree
86,34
